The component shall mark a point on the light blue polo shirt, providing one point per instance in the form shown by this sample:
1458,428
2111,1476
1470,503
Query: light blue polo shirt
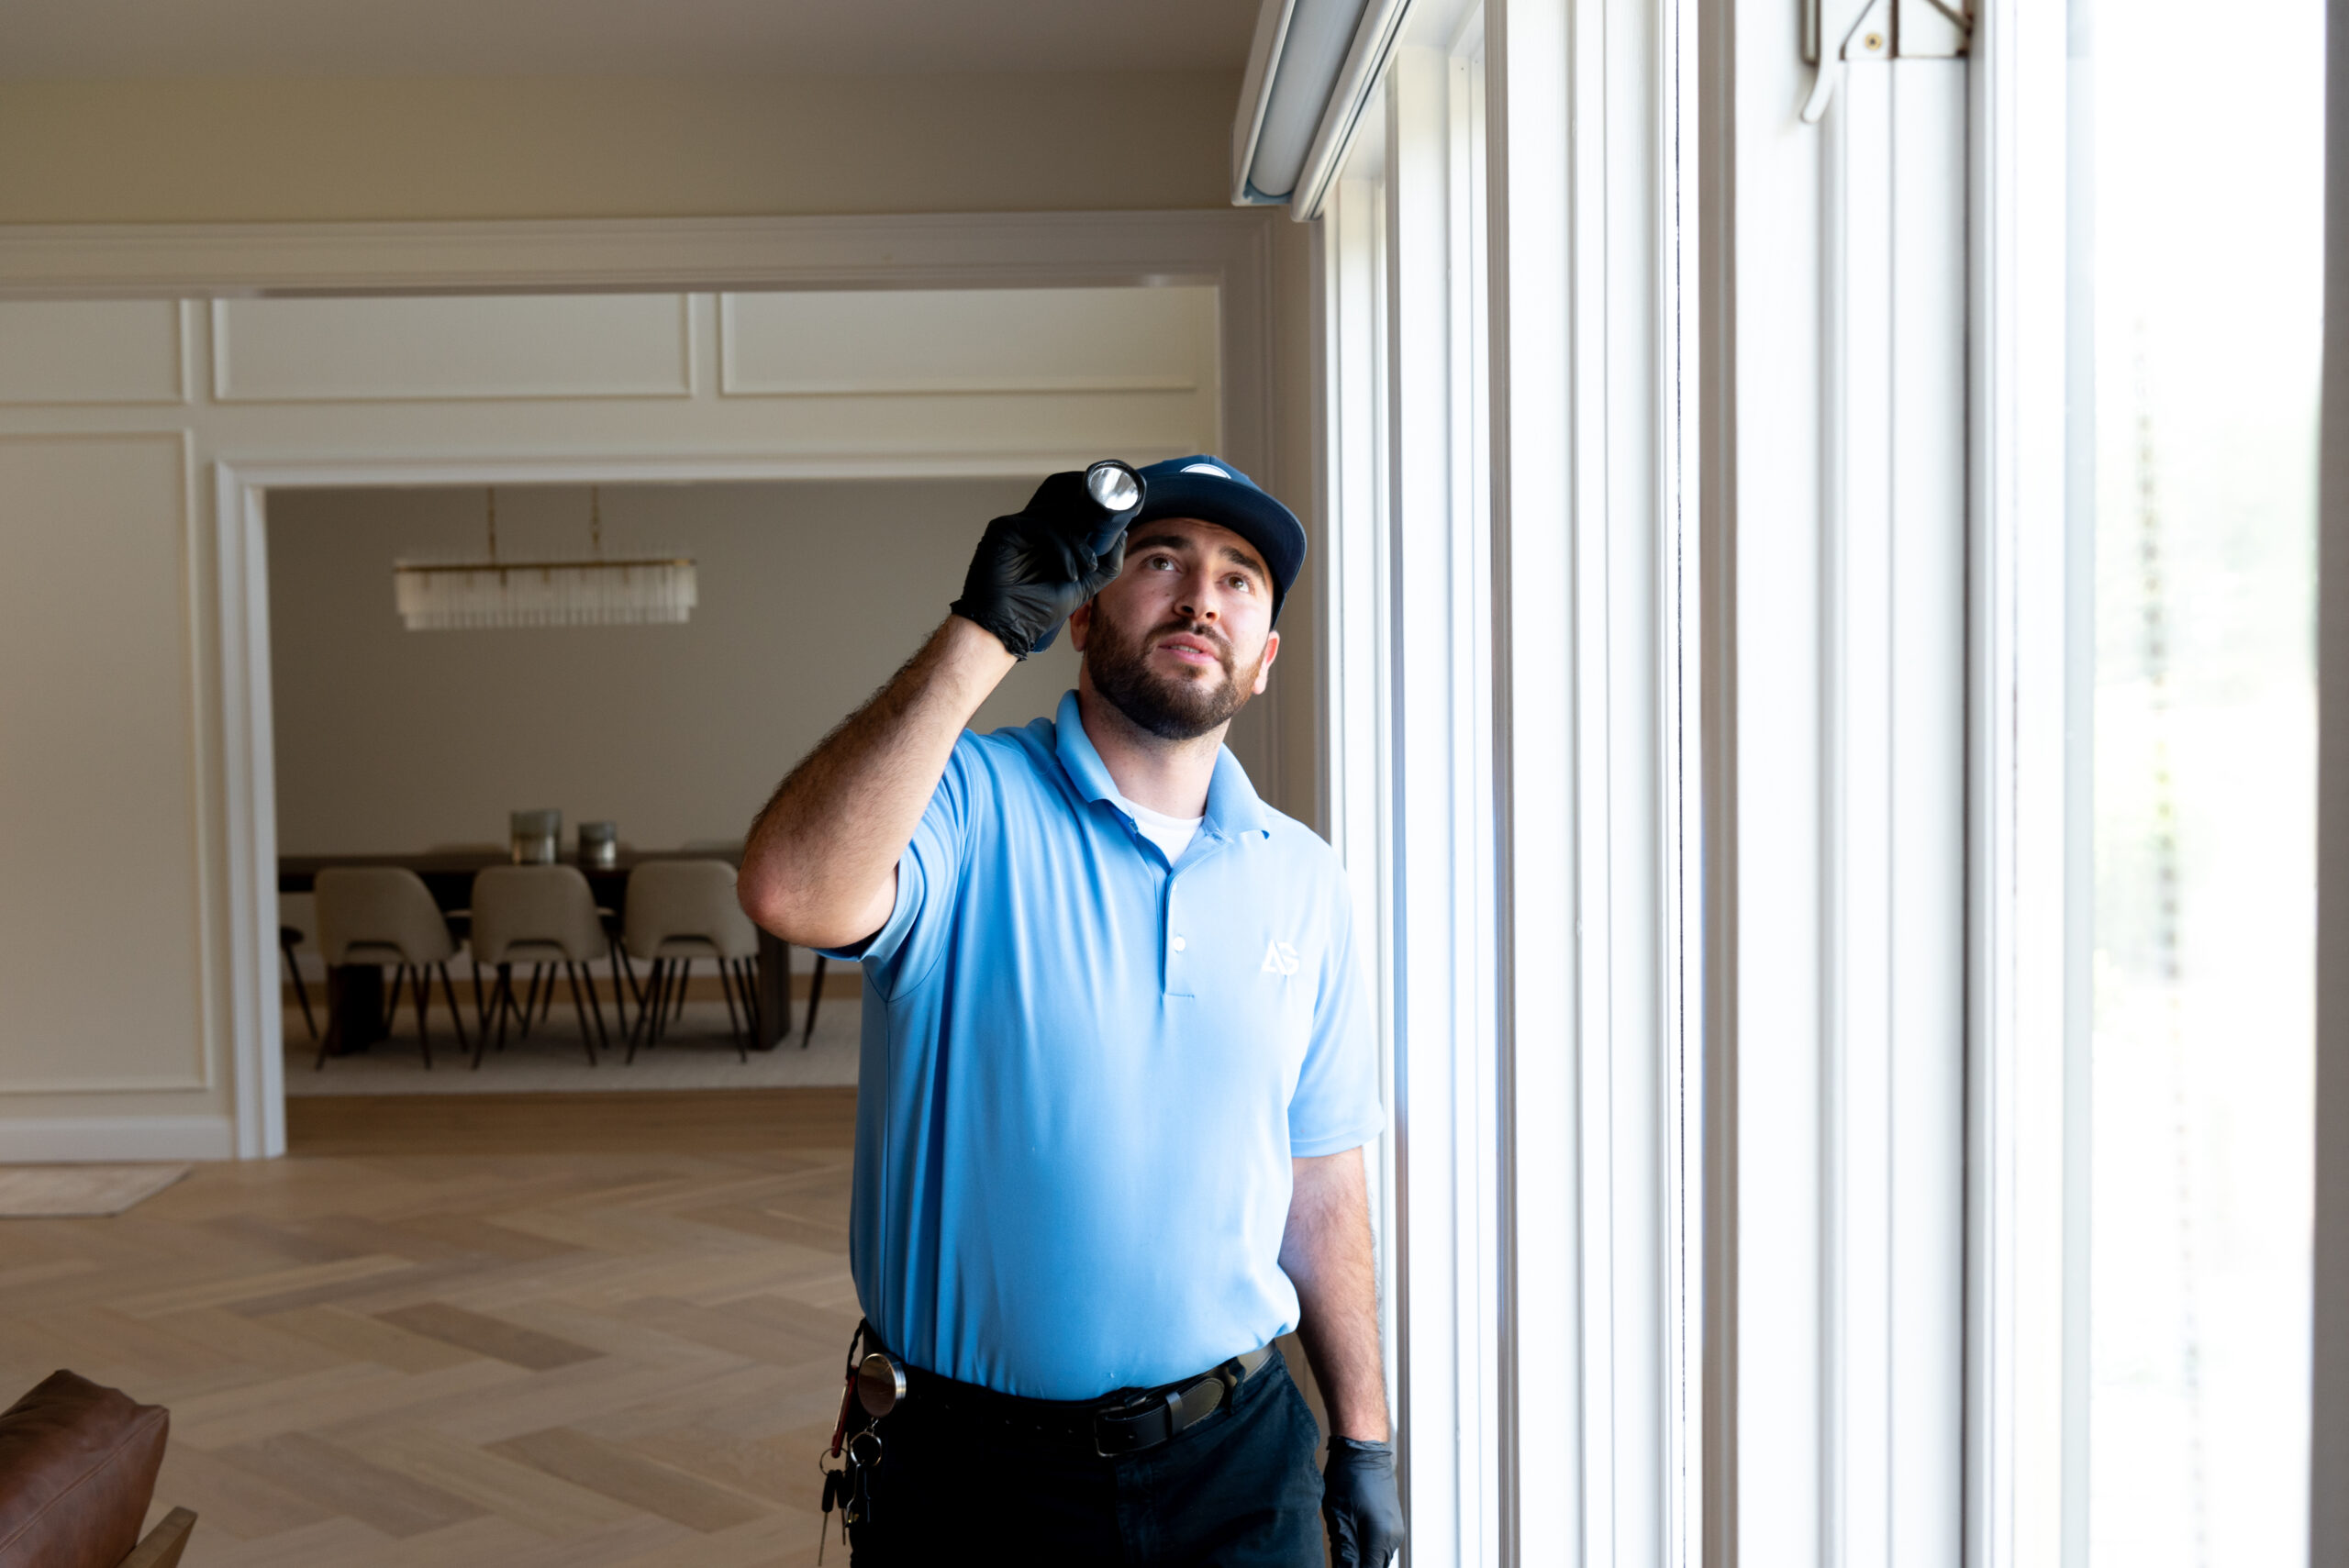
1085,1073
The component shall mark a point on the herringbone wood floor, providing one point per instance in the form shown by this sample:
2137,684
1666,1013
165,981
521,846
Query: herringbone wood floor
539,1342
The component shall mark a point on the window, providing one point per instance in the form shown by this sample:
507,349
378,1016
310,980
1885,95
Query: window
1821,633
2198,326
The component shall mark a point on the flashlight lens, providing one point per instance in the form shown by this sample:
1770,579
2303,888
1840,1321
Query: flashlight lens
1113,485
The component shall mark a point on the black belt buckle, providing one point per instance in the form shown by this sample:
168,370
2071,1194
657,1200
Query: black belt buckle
1133,1427
1152,1418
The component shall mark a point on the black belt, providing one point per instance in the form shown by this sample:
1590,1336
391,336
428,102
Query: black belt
1128,1421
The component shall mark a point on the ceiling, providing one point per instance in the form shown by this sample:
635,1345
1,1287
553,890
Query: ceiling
151,38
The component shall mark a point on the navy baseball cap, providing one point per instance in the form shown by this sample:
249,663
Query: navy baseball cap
1212,491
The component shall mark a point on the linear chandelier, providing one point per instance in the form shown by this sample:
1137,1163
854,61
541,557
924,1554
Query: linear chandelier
477,596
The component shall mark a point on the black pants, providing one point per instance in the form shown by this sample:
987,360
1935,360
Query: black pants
1238,1490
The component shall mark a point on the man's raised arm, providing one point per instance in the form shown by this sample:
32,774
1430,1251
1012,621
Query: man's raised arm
821,867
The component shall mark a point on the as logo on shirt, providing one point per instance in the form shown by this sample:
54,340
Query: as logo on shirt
1279,959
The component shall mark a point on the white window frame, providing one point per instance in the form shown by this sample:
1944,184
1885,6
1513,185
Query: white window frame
1511,704
2026,1199
2329,1445
1859,1414
1778,780
1596,626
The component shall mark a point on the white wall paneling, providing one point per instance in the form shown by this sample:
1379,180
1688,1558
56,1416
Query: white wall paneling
1229,251
430,350
124,350
102,955
184,791
950,341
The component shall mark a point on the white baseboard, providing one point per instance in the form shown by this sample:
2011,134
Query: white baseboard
68,1139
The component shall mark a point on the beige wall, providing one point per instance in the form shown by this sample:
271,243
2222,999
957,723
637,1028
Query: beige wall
811,594
292,151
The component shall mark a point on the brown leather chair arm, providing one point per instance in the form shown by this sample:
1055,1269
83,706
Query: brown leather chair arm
77,1470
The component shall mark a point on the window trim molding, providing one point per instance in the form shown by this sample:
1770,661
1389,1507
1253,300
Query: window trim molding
1835,319
2329,1423
1598,639
1555,1239
2019,784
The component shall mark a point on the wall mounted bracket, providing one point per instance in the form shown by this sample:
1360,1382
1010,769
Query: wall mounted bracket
1836,30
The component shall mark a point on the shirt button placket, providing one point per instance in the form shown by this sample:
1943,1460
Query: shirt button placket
1178,980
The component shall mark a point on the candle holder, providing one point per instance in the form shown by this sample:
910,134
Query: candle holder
538,837
599,845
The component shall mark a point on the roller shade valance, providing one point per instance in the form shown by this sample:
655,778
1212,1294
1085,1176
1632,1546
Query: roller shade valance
1313,66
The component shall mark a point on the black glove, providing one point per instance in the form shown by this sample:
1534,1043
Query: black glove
1035,566
1360,1504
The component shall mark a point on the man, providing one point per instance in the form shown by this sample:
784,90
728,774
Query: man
1117,1068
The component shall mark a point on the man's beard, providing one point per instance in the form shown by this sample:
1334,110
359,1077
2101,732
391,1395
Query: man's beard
1169,709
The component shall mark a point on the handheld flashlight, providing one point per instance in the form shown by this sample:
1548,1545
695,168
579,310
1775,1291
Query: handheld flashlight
1113,485
1117,489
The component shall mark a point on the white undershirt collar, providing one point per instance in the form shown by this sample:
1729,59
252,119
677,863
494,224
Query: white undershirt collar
1173,835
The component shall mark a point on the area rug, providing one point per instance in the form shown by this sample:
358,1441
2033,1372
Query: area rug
63,1192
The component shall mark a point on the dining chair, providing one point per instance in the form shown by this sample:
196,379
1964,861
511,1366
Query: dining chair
298,926
288,938
385,915
544,915
678,912
814,1000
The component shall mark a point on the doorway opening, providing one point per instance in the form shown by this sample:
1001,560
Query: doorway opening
413,751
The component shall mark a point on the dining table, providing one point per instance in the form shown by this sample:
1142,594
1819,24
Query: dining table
355,991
